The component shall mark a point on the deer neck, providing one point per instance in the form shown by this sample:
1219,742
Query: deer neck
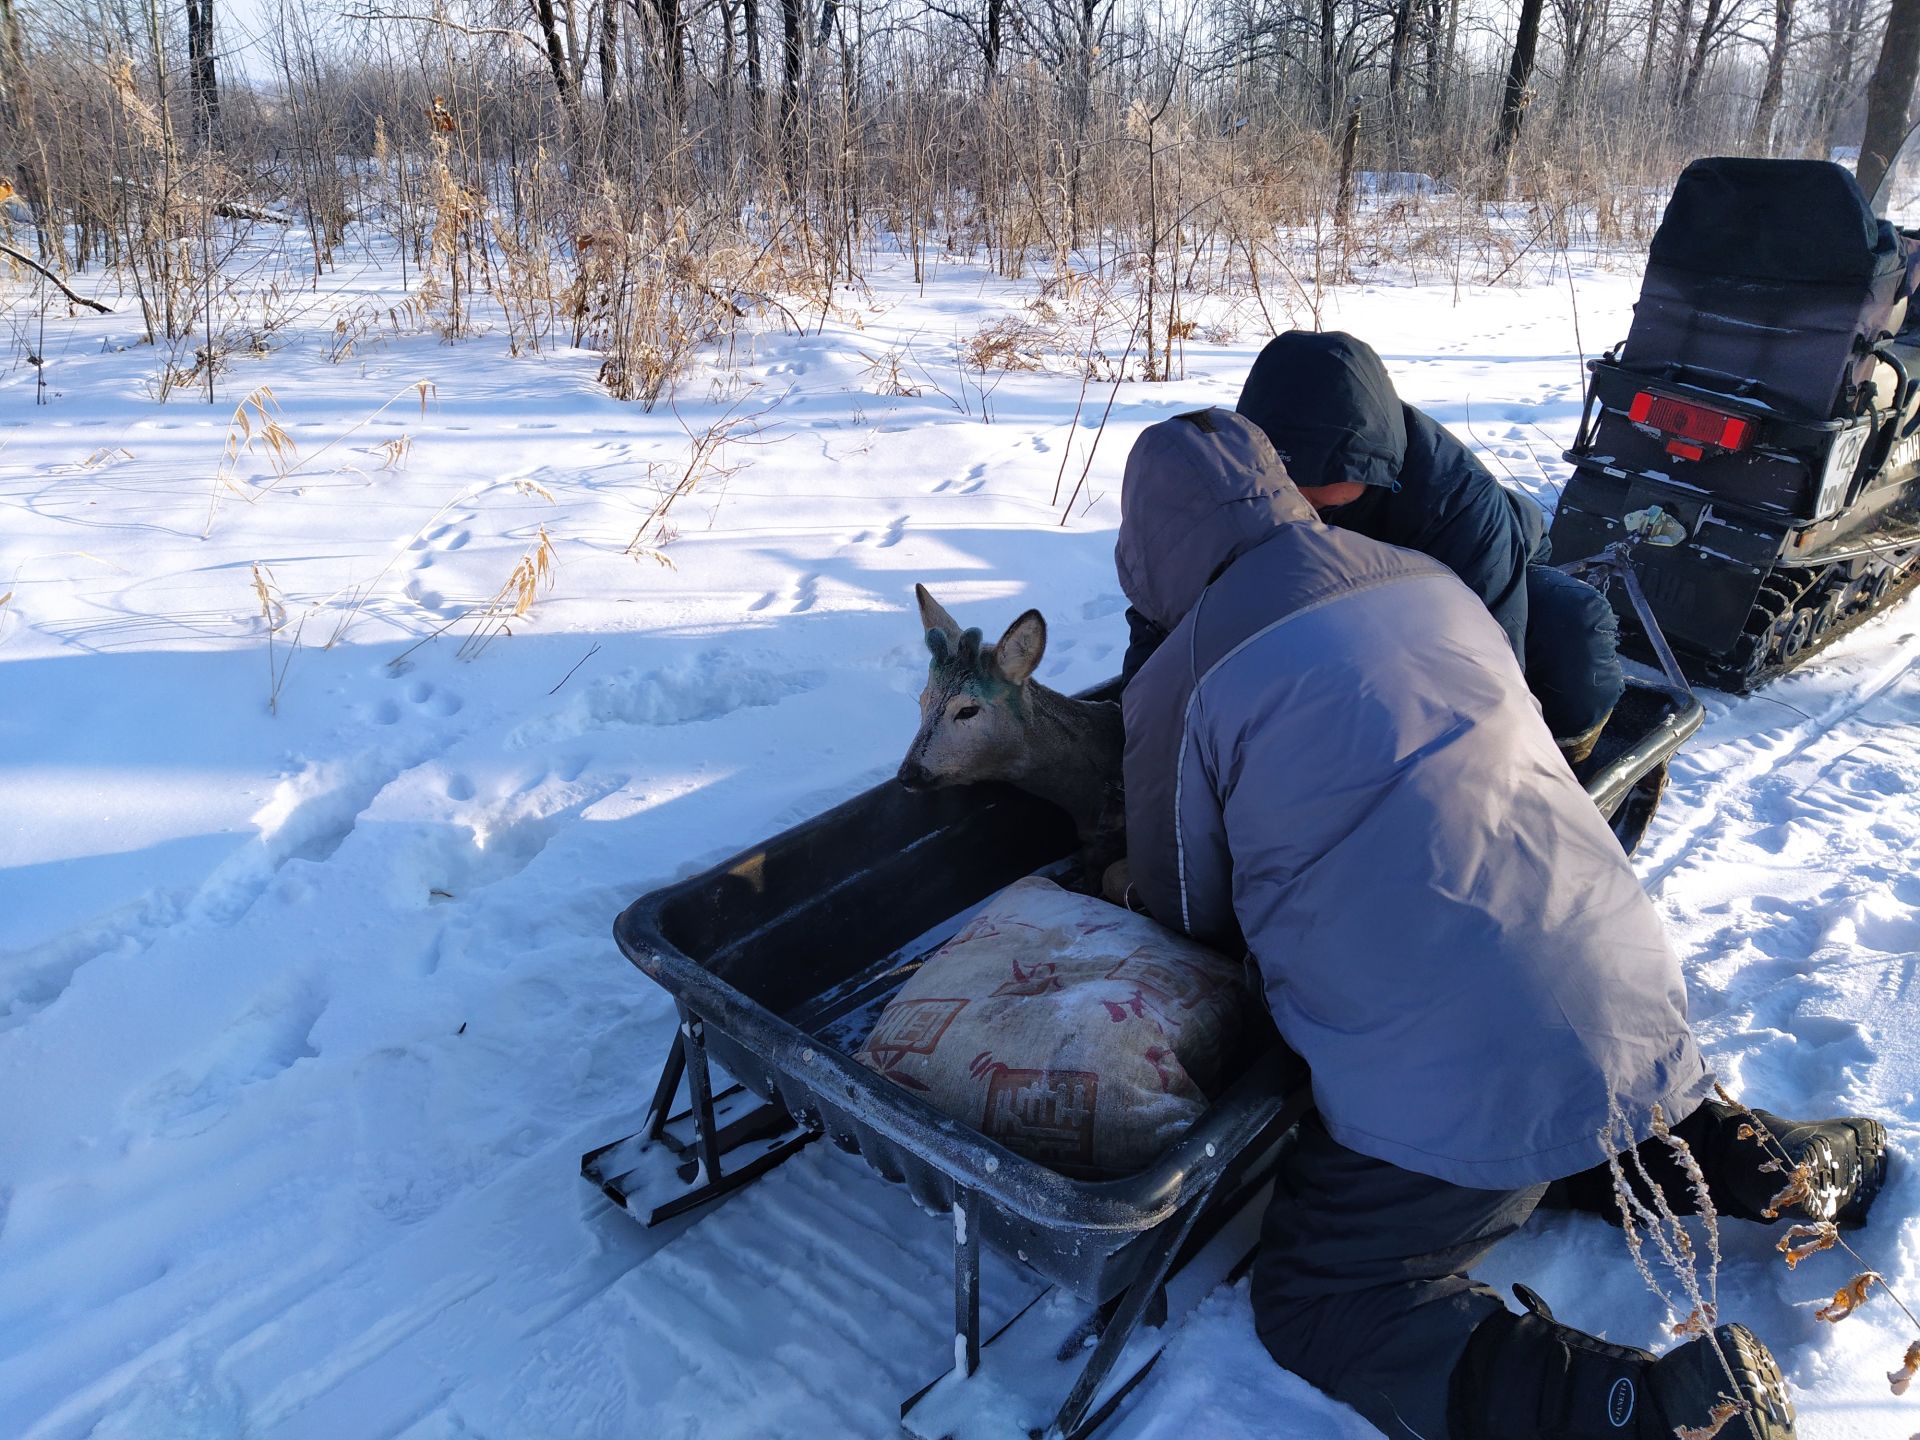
1074,757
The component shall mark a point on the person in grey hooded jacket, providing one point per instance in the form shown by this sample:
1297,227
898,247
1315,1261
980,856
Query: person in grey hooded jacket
1333,762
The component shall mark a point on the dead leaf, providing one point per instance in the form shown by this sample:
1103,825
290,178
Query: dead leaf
1797,1191
1803,1240
1909,1367
1848,1298
1700,1322
1717,1419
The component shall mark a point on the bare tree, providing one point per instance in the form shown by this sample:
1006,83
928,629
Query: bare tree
1514,95
203,85
1766,116
1890,94
1714,23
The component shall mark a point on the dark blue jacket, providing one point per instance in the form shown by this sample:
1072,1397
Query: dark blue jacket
1328,407
1334,758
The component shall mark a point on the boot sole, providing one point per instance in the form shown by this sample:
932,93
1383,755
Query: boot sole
1695,1371
1871,1139
1754,1366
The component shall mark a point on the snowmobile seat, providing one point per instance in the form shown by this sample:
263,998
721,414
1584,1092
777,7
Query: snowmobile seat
1770,281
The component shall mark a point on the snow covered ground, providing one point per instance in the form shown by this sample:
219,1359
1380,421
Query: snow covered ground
306,1017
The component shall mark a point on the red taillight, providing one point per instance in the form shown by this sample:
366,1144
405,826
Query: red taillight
1695,423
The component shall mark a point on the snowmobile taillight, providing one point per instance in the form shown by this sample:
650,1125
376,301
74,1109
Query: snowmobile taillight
1691,429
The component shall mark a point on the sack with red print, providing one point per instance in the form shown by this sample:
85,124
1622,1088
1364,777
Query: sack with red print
1073,1032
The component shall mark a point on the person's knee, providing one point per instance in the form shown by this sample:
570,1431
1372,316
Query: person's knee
1573,660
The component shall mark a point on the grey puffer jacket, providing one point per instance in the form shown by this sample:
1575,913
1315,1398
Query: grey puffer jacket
1334,758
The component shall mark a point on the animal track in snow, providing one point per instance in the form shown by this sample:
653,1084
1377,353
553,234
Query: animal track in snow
268,1039
708,688
434,700
486,845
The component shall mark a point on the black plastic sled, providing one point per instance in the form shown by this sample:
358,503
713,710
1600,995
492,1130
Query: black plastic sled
1767,401
780,961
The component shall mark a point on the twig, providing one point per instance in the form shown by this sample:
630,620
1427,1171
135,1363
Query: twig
576,665
1112,395
58,283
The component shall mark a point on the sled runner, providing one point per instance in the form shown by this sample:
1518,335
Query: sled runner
780,959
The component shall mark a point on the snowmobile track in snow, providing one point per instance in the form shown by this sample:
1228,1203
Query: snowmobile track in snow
1703,810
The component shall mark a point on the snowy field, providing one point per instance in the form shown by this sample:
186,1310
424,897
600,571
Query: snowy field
306,1017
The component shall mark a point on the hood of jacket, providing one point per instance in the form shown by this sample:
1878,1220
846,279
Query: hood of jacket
1325,403
1200,491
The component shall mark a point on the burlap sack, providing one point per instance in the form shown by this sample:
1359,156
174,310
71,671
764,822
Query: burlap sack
1071,1031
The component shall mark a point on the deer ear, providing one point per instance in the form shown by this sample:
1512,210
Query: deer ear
1019,651
933,616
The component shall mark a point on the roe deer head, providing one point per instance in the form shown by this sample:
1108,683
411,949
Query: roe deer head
984,717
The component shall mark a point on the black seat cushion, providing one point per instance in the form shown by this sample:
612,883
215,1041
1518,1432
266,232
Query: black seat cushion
1795,220
1768,279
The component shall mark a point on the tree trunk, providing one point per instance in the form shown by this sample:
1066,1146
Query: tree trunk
569,93
203,85
792,56
1397,50
1327,95
1890,94
1682,31
1653,45
1709,29
609,78
1842,86
756,82
1766,115
673,47
1514,97
1431,80
990,54
609,53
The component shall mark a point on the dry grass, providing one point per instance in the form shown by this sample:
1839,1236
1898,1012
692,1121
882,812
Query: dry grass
532,575
273,614
707,460
254,427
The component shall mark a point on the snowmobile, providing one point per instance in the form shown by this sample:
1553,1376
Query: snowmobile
1761,420
781,959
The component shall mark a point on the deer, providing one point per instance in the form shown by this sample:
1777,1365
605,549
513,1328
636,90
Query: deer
984,717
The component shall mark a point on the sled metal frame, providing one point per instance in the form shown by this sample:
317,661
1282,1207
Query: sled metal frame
1201,1223
702,1137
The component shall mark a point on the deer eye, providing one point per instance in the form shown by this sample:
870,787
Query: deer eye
966,712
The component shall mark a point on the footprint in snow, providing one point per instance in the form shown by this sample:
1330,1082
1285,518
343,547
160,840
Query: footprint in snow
435,701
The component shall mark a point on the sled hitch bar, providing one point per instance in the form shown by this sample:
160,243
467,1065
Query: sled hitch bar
1651,526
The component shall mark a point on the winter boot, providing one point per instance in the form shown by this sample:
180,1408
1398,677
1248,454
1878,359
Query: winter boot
1578,747
1524,1377
1845,1162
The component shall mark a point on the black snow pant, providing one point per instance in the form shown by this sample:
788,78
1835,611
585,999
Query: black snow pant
1573,660
1360,1285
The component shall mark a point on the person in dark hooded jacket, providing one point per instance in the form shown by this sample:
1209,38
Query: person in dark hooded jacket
1333,763
1372,464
